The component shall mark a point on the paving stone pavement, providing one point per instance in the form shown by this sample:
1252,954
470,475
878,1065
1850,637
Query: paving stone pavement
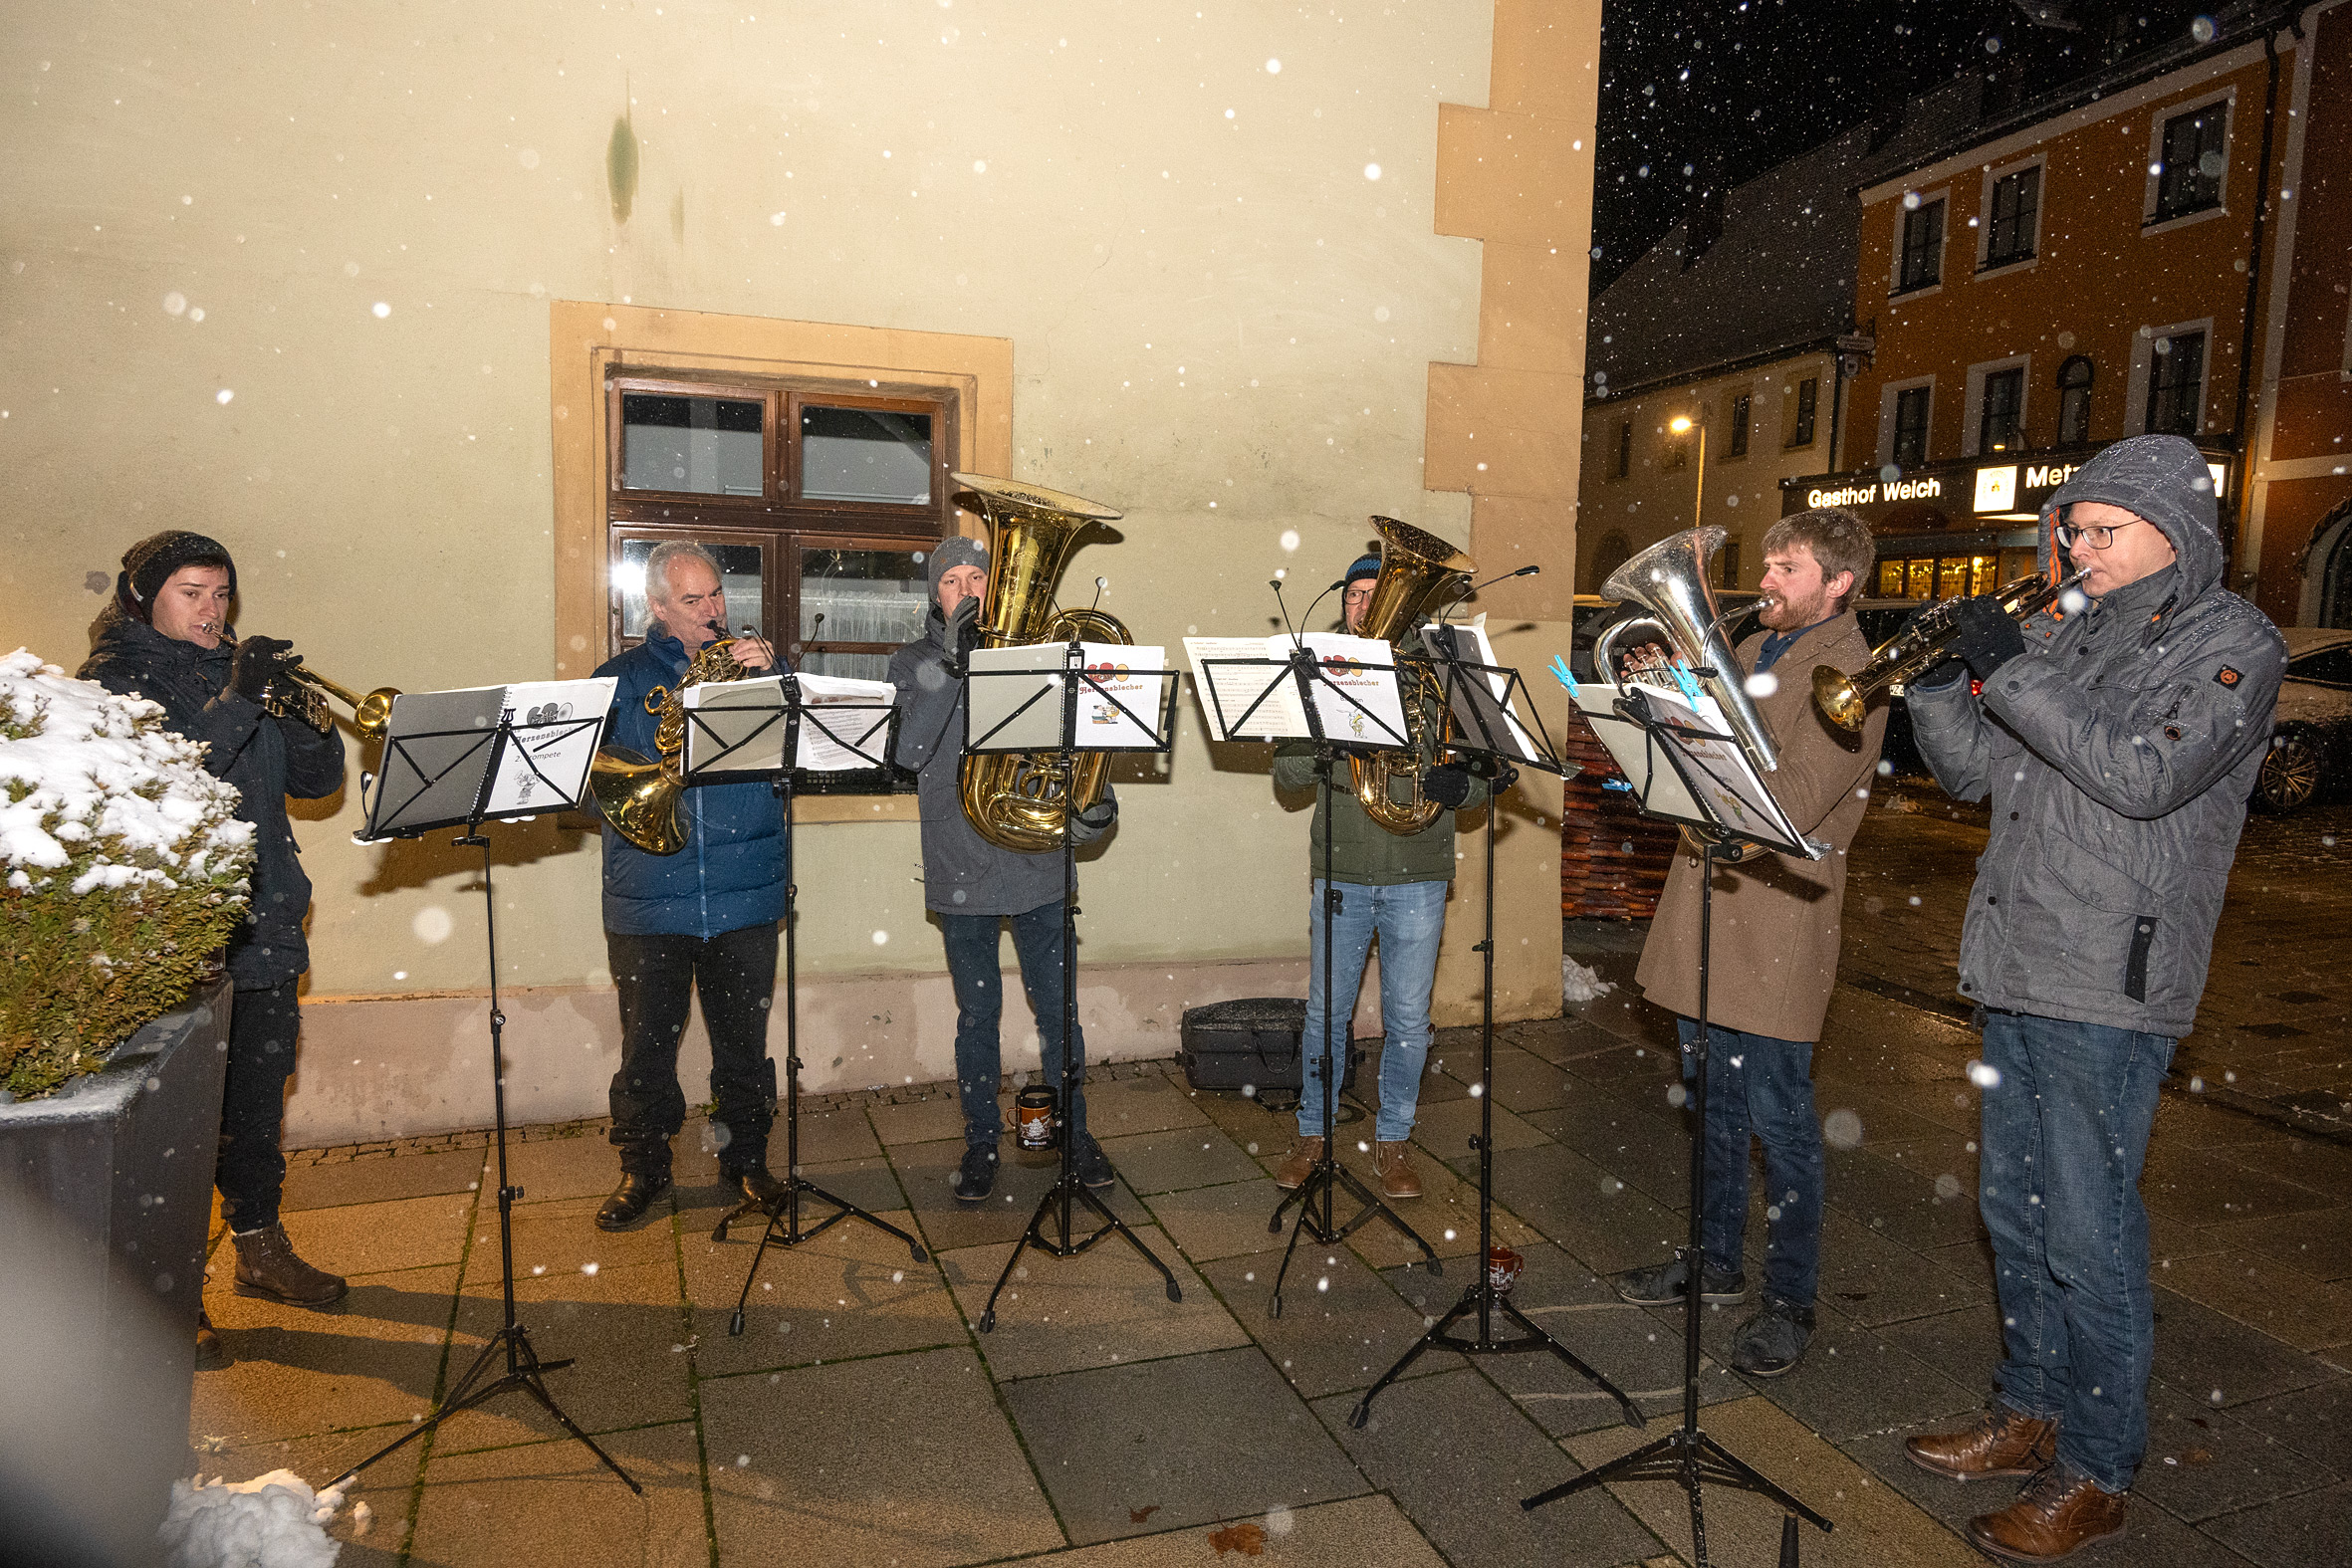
864,1419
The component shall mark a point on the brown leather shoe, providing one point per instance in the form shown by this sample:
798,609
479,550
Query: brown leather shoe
211,1354
1398,1179
1296,1169
268,1268
2000,1442
2058,1512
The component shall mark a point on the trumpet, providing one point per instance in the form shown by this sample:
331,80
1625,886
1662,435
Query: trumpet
296,693
1924,642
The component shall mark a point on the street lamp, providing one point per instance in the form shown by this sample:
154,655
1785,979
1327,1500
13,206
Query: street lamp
1679,424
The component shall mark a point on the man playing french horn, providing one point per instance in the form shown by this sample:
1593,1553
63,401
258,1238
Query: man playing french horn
700,921
1392,886
165,638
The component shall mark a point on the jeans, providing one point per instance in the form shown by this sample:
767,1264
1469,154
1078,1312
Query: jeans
973,969
2065,1129
1408,918
250,1169
735,975
1761,1086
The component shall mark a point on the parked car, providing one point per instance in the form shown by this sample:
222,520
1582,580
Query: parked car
2311,737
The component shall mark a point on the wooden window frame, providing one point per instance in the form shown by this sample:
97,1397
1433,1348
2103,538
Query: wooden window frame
1809,406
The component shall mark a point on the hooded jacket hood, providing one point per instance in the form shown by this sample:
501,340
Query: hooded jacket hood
2163,479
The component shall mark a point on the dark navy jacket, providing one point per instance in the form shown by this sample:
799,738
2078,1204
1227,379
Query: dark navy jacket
731,873
265,759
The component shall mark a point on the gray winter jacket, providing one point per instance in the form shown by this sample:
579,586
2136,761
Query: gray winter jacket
2119,749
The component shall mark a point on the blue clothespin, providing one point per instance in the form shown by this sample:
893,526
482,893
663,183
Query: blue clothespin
1686,680
1562,673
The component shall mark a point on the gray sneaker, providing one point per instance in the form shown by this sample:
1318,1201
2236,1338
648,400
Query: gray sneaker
1663,1284
1093,1166
1773,1341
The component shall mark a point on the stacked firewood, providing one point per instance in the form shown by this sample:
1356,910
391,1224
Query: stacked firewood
1612,859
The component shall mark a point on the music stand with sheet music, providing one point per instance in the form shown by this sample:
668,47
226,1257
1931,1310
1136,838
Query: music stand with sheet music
456,758
1304,681
763,731
1026,699
1686,766
1478,696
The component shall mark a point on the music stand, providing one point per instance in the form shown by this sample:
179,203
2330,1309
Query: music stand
1008,707
1478,696
1689,769
763,730
456,758
1296,680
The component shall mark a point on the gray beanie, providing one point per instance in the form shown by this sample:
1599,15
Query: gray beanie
954,553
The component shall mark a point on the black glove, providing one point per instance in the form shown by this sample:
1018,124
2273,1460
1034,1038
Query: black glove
1987,638
1449,786
963,629
1096,821
256,660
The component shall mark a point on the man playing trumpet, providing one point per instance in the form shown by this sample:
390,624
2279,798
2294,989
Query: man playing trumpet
701,922
164,638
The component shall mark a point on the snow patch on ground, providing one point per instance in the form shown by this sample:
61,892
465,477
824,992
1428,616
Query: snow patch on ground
1578,983
270,1521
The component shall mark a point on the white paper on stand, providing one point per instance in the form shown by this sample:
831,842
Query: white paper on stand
1499,684
1131,675
1226,691
548,751
1357,699
855,711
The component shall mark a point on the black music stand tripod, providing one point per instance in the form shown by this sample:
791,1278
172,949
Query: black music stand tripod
728,731
1013,733
434,762
1687,1456
1481,729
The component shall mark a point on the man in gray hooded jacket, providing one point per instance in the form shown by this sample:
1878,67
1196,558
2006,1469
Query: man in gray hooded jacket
2118,736
975,886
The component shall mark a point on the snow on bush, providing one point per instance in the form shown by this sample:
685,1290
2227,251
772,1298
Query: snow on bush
270,1521
1578,983
122,871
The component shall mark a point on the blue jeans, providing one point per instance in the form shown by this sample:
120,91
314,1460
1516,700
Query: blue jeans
2065,1129
972,968
1760,1086
1408,919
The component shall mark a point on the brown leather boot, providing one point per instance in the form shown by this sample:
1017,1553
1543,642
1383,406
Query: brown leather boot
2059,1511
211,1354
268,1268
1398,1179
2000,1442
1296,1169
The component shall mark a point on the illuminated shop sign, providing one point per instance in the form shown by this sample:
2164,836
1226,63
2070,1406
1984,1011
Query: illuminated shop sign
1876,491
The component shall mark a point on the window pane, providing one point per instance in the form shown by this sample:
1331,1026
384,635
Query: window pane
1911,426
2193,161
1739,412
1923,246
2016,203
1981,573
2176,375
740,576
1996,428
707,446
2333,666
1951,578
1809,392
1922,584
1890,580
866,454
861,595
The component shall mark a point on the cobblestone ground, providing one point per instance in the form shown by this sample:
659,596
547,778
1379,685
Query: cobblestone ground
2274,1033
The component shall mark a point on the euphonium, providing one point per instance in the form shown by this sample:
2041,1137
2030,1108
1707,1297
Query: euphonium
1669,579
640,796
1413,565
296,693
1015,800
1926,640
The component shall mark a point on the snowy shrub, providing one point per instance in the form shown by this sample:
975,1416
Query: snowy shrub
122,871
270,1521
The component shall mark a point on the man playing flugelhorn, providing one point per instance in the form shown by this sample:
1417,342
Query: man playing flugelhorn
164,638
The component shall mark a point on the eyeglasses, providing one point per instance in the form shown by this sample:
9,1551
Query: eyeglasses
2098,534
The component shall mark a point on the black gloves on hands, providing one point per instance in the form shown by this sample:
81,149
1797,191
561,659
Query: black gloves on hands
963,630
256,660
1449,786
1987,637
1096,821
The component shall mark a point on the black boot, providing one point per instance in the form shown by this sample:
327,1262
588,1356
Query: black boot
631,1200
756,1183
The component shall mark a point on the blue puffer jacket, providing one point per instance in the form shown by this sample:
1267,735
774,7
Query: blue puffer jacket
731,873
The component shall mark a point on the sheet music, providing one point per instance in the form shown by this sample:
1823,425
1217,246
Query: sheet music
1380,719
1720,774
552,746
856,712
1482,652
1236,686
1133,676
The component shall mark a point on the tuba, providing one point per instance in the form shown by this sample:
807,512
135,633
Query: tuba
1413,565
1669,579
641,796
297,693
1016,801
1925,641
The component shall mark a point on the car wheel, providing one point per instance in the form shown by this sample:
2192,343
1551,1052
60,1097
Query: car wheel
2291,776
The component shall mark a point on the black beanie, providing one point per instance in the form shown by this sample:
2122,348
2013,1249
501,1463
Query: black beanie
1365,567
149,563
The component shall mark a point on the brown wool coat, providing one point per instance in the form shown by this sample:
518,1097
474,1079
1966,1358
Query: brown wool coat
1776,916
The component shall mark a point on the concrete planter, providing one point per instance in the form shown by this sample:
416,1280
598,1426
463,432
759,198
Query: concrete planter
105,1204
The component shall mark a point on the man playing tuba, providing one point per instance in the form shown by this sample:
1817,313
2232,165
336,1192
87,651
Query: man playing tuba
974,886
1391,886
700,921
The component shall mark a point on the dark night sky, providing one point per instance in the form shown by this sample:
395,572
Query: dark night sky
1731,87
